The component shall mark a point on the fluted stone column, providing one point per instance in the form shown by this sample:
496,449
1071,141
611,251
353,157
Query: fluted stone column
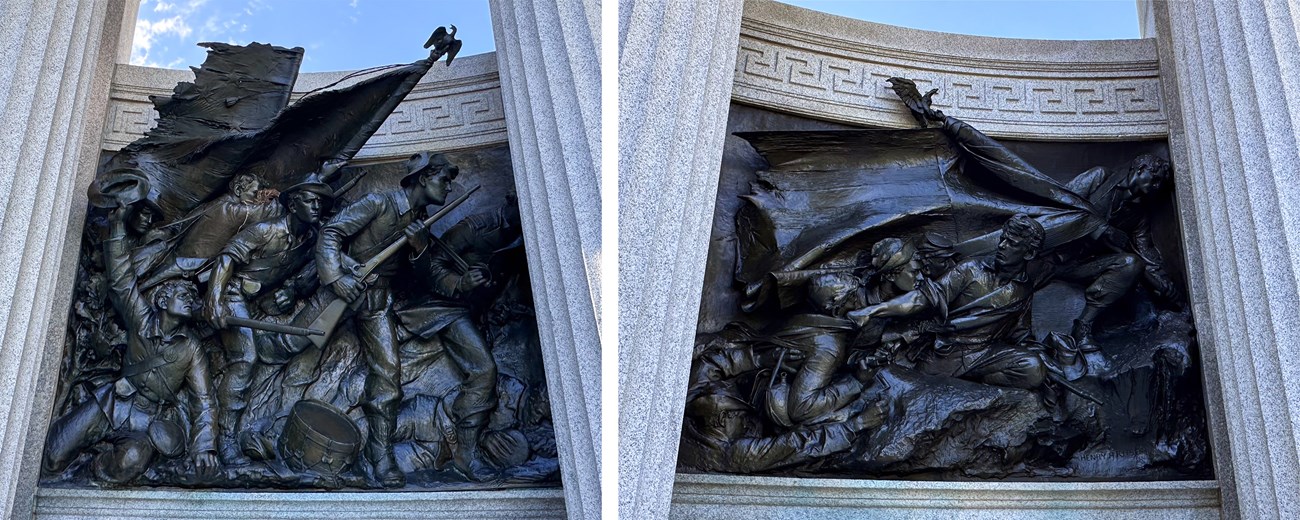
548,55
1237,78
56,59
126,31
676,61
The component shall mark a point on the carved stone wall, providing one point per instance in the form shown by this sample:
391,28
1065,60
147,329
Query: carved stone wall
828,67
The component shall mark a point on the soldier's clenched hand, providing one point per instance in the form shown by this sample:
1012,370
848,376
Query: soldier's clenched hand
348,287
283,299
417,236
206,464
475,278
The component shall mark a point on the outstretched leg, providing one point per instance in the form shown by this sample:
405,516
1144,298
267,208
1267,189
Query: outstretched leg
1109,278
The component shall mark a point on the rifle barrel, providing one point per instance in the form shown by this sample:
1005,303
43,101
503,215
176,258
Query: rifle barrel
273,327
392,249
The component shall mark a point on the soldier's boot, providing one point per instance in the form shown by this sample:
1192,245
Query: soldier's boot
1082,334
1082,330
379,452
228,446
465,454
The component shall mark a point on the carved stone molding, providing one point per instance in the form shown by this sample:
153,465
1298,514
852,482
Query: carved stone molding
729,496
829,67
451,108
69,504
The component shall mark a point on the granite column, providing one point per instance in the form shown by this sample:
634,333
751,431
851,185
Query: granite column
1236,75
676,62
548,55
58,59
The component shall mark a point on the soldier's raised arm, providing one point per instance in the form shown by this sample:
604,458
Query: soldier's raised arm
126,296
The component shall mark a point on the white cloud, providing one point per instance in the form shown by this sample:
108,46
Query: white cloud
146,32
211,28
257,5
353,4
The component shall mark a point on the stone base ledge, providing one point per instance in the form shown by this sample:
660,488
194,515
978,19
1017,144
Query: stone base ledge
729,496
69,504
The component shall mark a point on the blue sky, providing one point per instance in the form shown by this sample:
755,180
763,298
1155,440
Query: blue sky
337,34
356,34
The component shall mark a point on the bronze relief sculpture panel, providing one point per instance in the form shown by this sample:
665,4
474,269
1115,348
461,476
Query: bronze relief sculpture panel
254,311
928,304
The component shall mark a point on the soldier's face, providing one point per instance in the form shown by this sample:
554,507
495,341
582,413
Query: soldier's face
904,278
1013,251
306,206
247,189
732,423
180,304
436,186
1141,184
142,220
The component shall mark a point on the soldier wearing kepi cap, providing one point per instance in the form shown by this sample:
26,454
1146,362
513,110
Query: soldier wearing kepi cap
357,233
896,269
270,261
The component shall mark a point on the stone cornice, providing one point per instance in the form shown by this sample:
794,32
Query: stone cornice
829,67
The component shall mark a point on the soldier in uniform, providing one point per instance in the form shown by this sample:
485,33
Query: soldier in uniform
272,258
721,434
456,270
1117,251
985,309
1114,258
358,232
163,364
819,388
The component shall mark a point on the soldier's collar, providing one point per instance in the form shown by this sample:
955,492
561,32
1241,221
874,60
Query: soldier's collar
1021,277
402,201
154,331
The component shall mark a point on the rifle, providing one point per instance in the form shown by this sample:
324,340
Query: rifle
333,313
236,321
